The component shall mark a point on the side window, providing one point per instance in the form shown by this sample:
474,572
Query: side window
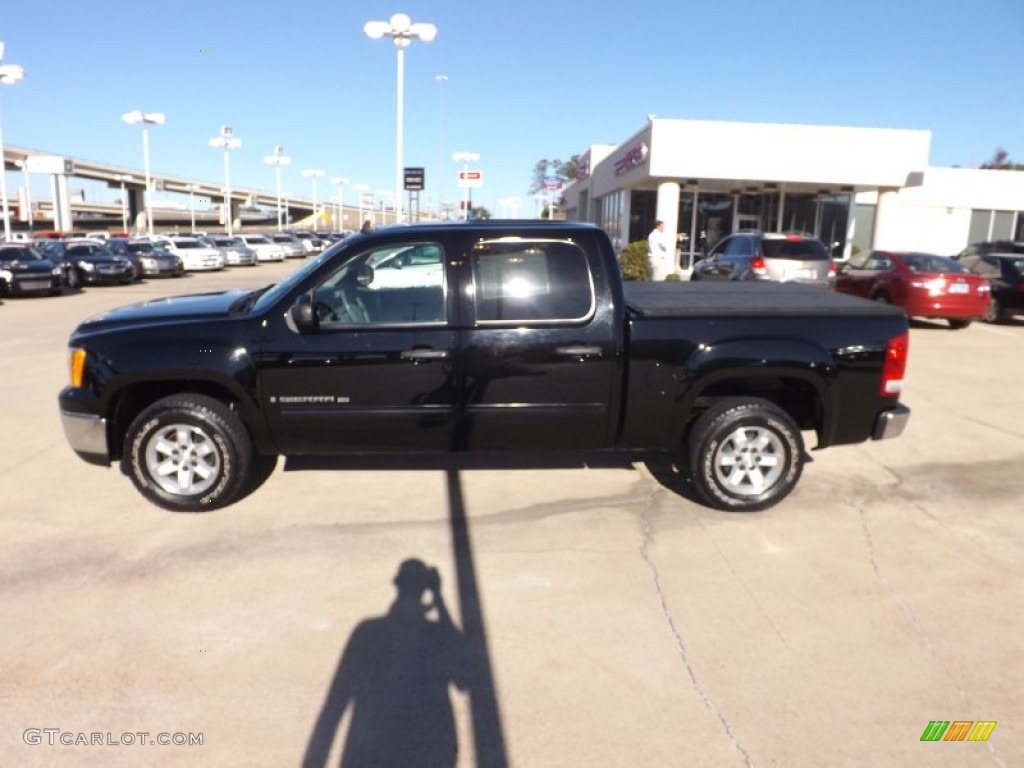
399,284
878,262
523,280
984,266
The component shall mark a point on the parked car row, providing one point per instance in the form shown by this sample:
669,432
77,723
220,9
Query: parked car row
49,265
983,282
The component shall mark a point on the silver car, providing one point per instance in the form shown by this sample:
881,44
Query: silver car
795,257
236,253
266,250
292,245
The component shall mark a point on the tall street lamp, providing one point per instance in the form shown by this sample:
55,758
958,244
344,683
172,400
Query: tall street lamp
441,79
278,159
147,119
339,219
314,174
361,190
227,142
9,75
123,177
466,158
402,32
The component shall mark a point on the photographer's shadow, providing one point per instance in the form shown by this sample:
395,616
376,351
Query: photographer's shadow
394,676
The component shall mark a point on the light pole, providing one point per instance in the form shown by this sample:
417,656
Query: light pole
123,177
147,119
9,75
314,174
402,32
441,80
278,159
361,189
384,195
287,212
466,158
227,141
339,219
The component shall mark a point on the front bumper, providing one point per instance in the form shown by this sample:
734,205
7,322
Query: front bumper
87,435
891,423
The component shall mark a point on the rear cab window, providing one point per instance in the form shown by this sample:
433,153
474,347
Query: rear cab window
531,281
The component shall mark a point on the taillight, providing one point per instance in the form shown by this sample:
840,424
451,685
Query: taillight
757,266
832,270
895,366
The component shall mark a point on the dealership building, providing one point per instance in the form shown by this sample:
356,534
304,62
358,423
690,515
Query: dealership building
855,188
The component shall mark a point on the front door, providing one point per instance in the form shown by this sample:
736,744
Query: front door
379,372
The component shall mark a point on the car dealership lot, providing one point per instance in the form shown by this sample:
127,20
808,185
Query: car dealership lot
605,620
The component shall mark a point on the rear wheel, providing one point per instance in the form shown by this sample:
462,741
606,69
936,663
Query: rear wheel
189,453
996,313
745,455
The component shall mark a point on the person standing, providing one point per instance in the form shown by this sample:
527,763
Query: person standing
657,250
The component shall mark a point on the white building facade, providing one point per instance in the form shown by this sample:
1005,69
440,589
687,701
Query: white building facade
855,188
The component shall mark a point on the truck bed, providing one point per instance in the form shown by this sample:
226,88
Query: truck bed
685,299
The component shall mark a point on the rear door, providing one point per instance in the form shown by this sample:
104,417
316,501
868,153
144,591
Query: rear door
538,353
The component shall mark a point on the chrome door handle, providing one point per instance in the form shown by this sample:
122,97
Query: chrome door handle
420,355
579,350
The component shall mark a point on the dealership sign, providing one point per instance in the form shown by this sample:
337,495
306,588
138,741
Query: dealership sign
631,159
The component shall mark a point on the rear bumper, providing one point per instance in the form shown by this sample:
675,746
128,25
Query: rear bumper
891,423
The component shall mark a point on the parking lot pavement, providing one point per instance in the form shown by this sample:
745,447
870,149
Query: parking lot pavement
596,618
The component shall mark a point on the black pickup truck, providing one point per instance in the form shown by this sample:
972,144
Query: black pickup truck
481,337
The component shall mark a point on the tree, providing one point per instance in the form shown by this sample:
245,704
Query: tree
479,212
545,169
1000,161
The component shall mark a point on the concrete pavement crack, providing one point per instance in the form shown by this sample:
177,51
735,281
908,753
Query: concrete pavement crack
645,516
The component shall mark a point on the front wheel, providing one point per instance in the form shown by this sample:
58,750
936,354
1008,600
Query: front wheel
995,312
188,453
958,325
745,455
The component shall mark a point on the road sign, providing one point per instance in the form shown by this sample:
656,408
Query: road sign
552,182
415,179
471,179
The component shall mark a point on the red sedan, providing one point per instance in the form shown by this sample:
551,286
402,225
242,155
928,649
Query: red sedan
924,284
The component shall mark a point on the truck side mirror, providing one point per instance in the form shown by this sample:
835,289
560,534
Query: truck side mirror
303,313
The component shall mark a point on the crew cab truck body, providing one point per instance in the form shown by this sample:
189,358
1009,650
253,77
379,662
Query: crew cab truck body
525,340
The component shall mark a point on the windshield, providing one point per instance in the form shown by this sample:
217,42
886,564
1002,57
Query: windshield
257,240
228,242
296,277
188,244
19,254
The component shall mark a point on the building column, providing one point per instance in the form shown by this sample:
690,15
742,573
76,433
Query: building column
851,226
885,216
667,210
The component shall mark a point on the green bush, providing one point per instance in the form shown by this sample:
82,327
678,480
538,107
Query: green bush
634,263
672,277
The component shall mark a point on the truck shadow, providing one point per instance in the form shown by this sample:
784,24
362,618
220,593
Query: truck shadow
396,670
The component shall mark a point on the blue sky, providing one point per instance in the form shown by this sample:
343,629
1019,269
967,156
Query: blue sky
526,80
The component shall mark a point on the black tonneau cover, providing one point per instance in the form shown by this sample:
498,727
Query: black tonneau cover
676,299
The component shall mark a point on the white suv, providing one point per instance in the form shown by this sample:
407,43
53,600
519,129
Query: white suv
195,256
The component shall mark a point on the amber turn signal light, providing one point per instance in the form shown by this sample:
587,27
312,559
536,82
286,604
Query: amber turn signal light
77,367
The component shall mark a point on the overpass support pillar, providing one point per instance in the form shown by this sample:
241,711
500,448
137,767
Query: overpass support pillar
61,203
137,209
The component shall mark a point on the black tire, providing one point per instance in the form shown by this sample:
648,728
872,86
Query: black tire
201,438
996,313
727,470
881,298
958,325
74,282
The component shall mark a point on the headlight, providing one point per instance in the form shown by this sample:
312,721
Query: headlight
77,366
56,271
88,266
